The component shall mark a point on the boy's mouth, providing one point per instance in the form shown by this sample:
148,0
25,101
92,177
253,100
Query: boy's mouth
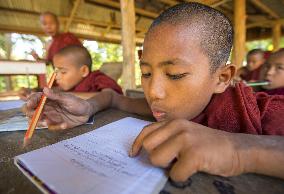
158,114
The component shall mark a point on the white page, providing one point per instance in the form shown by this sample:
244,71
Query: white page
96,162
6,105
16,123
19,122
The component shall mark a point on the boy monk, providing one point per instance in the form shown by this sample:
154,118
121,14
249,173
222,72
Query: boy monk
255,60
74,64
274,73
186,83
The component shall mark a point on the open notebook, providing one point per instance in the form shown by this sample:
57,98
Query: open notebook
95,162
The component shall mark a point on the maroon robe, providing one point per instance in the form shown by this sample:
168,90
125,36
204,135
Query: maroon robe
95,82
240,110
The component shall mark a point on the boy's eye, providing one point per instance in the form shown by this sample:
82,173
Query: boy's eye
145,75
176,76
280,67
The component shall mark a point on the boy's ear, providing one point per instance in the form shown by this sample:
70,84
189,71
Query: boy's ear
84,70
225,75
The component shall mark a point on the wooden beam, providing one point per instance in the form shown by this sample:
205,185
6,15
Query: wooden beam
265,8
72,14
128,43
265,23
78,20
169,2
240,32
276,35
109,38
221,2
116,6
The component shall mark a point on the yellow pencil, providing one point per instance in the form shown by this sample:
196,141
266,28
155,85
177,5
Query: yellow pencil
37,113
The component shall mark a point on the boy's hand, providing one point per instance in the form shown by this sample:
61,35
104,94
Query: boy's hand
61,110
188,147
23,93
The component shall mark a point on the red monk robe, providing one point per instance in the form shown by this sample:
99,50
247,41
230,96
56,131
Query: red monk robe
240,110
59,42
277,91
251,75
95,82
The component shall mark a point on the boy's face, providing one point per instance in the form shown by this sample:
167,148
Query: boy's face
69,74
175,73
49,24
274,72
254,61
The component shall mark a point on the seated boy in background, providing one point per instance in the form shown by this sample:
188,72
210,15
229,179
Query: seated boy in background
186,84
274,73
74,64
252,72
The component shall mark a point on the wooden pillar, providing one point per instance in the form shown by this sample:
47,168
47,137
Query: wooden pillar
128,43
240,32
276,35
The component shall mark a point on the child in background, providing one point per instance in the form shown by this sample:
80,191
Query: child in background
74,64
255,59
274,73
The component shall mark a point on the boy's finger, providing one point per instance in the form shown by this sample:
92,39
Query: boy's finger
161,134
165,153
55,127
185,167
137,144
33,100
57,96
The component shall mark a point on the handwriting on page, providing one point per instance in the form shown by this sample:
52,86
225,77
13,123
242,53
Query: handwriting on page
96,162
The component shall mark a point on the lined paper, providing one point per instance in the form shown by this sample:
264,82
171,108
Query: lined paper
96,162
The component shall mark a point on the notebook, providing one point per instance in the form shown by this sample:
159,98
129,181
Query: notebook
95,162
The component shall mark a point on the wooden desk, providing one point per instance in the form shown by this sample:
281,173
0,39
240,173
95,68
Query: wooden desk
13,181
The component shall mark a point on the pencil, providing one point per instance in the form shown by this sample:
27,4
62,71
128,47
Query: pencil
38,111
260,83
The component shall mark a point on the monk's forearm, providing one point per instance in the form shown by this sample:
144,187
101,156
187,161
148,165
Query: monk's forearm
84,95
261,154
110,99
100,101
133,105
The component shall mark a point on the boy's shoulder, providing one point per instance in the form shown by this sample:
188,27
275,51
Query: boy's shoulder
96,81
239,109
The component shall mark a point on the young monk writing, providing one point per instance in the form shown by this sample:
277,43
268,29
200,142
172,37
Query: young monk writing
186,83
274,73
74,64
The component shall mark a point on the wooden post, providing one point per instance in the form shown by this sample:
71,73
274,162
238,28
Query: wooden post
128,43
276,33
240,32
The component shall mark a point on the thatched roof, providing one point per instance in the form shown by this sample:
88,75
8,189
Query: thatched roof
101,20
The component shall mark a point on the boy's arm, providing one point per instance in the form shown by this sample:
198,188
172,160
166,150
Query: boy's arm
261,154
84,95
108,98
185,147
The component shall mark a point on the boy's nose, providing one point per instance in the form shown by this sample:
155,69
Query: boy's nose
270,71
156,89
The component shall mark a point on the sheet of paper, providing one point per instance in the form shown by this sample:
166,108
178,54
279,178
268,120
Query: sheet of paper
96,162
20,122
6,105
16,123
